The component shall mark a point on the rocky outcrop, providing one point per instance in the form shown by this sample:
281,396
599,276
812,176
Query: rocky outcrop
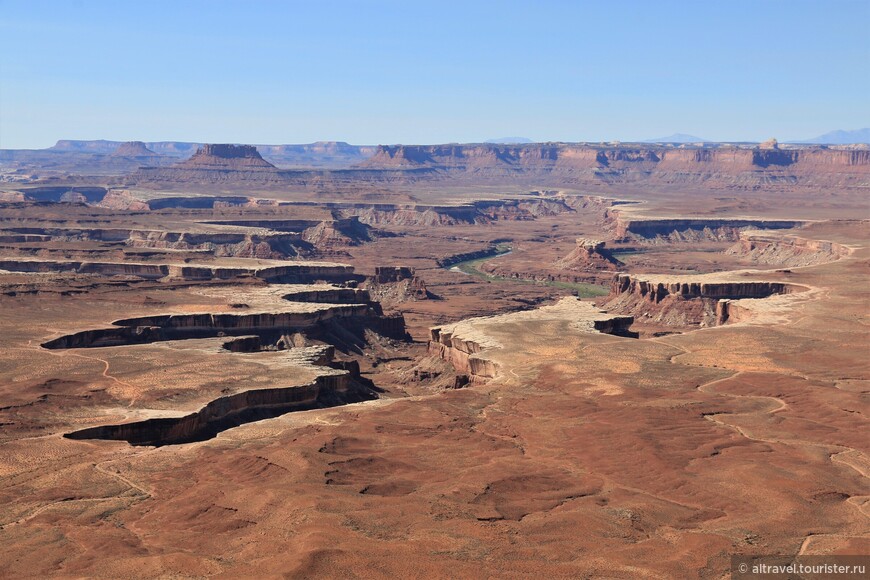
589,256
331,236
388,274
786,250
395,284
684,301
461,353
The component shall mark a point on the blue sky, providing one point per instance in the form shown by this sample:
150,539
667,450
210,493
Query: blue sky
371,72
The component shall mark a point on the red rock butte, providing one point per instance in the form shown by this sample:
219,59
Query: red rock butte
225,156
133,149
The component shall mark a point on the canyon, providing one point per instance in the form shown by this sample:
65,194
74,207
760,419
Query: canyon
560,359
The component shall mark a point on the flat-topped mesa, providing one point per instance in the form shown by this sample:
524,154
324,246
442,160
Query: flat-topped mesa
133,149
468,346
589,256
213,164
226,157
685,300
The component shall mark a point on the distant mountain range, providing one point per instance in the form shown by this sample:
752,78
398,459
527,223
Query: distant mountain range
677,138
841,137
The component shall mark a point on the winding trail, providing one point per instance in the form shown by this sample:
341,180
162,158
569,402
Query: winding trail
105,373
140,494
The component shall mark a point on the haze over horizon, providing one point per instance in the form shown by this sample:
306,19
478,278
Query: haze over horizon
390,72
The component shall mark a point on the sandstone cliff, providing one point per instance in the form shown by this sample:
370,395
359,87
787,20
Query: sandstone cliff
721,166
685,301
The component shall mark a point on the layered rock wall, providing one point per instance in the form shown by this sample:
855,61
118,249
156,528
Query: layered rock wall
461,353
588,156
682,229
716,166
686,302
790,251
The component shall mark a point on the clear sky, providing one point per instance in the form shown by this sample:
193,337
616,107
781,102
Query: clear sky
384,71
